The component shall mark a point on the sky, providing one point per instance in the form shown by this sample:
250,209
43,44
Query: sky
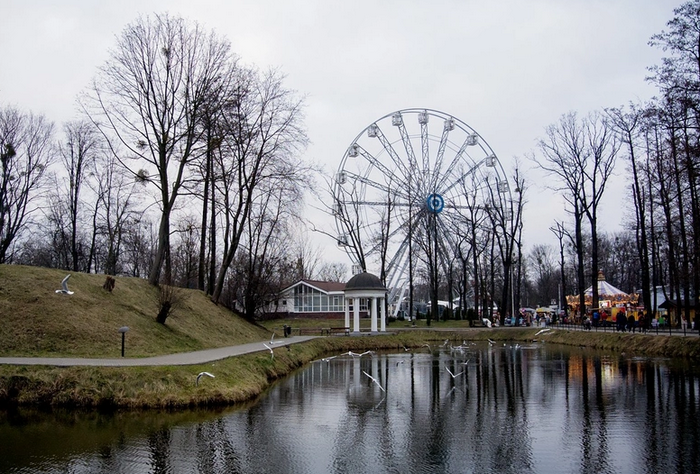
506,68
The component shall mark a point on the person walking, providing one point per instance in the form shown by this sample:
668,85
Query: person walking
621,321
630,323
642,323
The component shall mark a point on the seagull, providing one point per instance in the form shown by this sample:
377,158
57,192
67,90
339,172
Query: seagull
406,349
272,339
64,286
467,361
428,346
374,380
201,374
272,354
542,331
355,354
491,342
327,359
453,375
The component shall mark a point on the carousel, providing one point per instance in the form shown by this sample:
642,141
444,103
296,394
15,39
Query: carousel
611,300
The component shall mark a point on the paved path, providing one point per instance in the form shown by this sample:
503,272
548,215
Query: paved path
184,358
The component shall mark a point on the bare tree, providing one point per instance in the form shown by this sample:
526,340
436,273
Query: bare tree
581,155
148,98
25,155
629,126
264,132
115,210
333,271
77,153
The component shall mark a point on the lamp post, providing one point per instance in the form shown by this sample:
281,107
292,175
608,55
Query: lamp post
123,331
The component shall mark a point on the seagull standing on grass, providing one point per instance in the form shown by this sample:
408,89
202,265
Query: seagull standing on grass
374,380
201,374
64,286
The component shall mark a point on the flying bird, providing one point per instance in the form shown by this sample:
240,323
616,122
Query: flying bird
327,359
453,375
542,331
64,286
201,374
374,380
272,353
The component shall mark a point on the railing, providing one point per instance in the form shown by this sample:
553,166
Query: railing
665,329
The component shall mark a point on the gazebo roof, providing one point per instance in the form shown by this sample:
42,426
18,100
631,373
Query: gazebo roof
364,281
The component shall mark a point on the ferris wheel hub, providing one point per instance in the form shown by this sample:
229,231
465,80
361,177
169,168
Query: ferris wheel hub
435,203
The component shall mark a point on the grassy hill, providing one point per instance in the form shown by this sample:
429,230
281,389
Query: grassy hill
37,321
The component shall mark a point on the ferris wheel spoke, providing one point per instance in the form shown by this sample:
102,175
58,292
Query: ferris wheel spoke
408,146
457,160
448,127
392,153
381,187
425,148
393,178
460,179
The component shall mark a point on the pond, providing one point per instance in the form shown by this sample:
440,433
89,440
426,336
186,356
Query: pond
469,409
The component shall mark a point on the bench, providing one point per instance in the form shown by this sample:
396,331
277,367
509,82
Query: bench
339,330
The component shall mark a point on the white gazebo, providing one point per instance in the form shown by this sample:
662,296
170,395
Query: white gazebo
365,285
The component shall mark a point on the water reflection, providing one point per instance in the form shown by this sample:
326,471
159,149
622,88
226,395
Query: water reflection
504,409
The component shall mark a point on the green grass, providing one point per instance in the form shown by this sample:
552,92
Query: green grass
36,321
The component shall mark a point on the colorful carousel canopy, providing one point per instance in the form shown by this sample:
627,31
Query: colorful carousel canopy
606,291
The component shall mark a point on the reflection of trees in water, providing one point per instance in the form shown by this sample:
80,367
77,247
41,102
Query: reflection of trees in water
159,449
511,411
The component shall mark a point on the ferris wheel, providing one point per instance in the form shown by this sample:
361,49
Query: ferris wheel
411,177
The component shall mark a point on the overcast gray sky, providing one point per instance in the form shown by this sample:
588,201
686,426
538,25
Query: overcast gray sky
506,68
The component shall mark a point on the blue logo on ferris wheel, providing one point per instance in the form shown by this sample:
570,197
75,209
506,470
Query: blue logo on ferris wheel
435,203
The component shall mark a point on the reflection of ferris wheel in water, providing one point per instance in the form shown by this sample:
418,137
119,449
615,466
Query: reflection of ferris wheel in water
409,172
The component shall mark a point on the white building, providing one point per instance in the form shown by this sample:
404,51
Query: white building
314,298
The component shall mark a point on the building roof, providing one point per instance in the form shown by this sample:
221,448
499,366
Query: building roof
328,286
324,286
364,281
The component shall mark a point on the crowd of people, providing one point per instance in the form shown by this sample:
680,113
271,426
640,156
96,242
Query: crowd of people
624,322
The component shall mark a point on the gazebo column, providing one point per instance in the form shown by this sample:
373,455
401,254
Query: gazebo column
382,302
347,311
374,314
356,314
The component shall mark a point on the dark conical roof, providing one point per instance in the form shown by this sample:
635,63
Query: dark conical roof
364,281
